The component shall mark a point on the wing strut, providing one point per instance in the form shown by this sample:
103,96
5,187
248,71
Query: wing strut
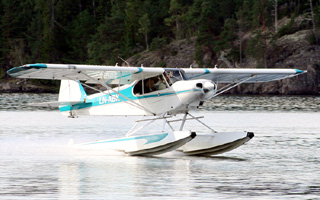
232,86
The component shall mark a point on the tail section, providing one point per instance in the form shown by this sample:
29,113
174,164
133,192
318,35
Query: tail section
71,91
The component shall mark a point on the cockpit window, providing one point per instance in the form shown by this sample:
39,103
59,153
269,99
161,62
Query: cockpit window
160,82
174,75
150,85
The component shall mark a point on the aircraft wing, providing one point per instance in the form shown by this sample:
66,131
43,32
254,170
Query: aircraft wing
88,73
241,75
125,75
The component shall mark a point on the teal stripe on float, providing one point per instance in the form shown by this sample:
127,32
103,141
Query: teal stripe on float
150,139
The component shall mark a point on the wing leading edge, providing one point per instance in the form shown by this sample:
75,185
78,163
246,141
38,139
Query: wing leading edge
242,75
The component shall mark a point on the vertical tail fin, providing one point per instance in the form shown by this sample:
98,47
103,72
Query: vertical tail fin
71,91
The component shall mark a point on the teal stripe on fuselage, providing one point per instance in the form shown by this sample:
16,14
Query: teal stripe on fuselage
116,98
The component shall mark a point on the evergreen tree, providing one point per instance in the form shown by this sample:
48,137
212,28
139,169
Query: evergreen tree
209,28
108,43
44,23
246,14
257,48
11,37
131,23
209,25
227,39
144,23
228,35
175,19
81,30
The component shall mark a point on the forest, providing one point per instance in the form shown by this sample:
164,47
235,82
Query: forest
106,31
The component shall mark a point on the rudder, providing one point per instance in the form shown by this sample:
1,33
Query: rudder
71,91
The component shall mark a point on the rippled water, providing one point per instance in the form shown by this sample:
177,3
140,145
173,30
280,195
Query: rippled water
282,161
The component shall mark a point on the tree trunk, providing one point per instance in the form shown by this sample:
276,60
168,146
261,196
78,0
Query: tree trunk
276,15
313,24
52,15
146,39
264,33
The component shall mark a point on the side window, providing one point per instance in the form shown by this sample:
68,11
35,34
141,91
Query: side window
150,85
161,83
138,89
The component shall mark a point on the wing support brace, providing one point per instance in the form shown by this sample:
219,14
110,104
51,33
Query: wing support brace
232,85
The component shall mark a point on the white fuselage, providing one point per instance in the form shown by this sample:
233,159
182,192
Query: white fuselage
179,97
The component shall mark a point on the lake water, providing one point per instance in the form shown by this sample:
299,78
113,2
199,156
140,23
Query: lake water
282,161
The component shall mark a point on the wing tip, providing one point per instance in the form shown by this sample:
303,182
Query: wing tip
14,72
298,71
17,71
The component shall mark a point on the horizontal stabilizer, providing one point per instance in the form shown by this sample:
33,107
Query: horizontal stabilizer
55,103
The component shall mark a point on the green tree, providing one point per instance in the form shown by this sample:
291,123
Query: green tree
131,23
108,43
144,23
43,24
257,49
209,27
13,22
257,14
245,14
227,39
228,35
80,30
175,19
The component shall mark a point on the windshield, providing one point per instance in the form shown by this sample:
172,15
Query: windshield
174,75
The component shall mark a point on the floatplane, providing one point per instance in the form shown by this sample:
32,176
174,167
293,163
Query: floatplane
154,94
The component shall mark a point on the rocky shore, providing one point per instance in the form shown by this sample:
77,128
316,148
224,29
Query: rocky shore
11,85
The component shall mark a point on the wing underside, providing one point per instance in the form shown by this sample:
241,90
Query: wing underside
88,73
242,75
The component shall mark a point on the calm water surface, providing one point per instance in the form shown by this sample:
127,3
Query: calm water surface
282,161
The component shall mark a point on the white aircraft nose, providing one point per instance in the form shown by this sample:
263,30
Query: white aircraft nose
208,86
